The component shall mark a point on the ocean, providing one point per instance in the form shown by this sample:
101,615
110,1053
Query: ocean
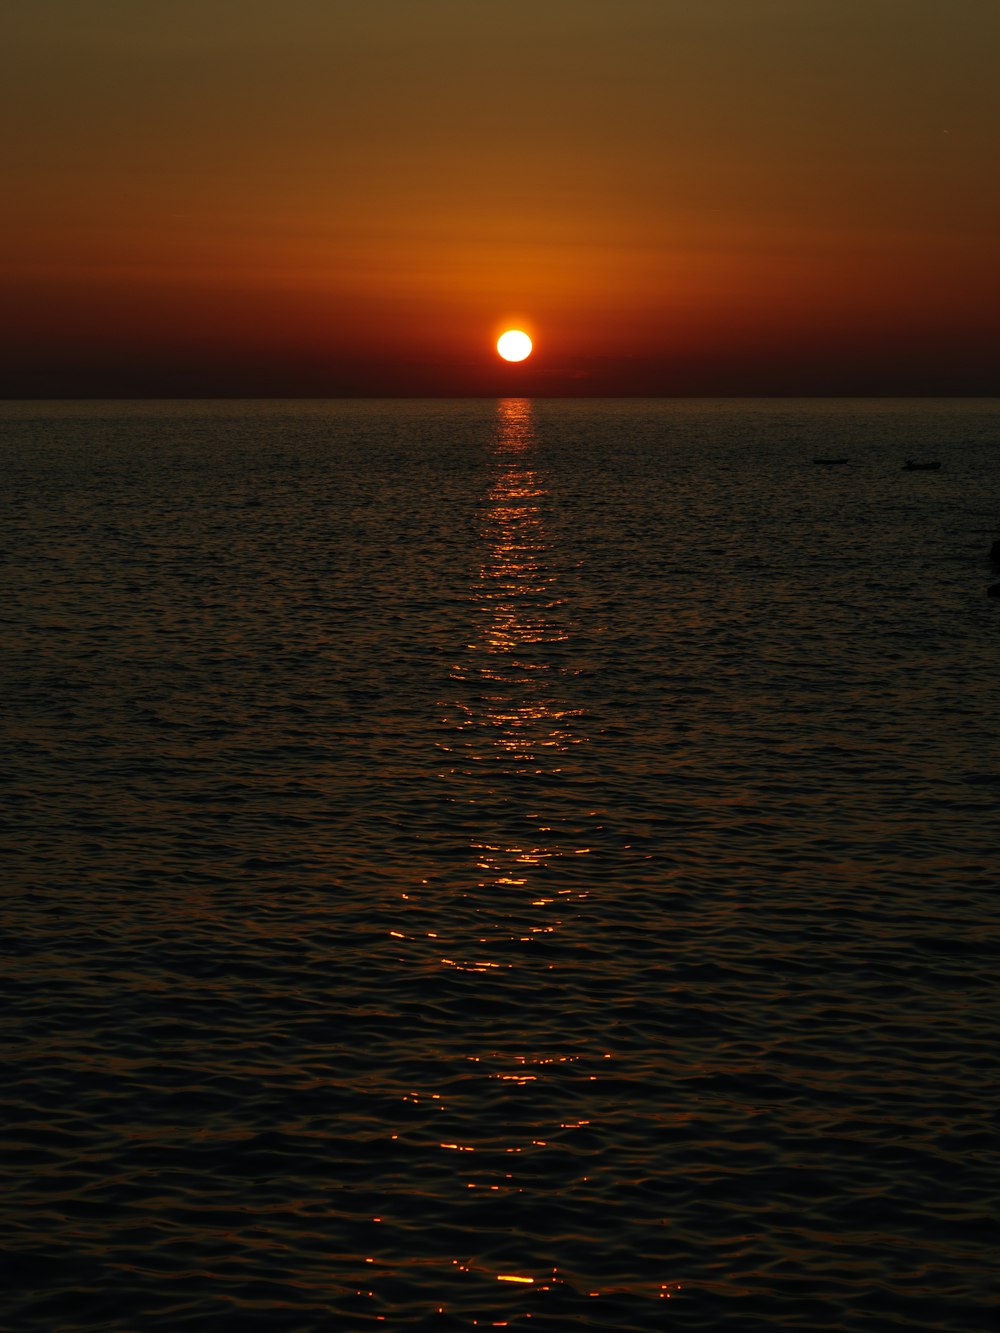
519,863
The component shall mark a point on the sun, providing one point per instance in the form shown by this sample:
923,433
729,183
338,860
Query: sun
514,345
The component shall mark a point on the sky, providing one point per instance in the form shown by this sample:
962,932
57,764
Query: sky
327,197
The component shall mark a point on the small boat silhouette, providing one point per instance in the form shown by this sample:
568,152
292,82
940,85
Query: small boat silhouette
829,462
910,466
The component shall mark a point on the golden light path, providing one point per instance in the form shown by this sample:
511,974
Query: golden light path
514,345
508,737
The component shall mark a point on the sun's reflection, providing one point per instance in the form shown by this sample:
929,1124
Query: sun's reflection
514,591
506,1120
517,597
514,733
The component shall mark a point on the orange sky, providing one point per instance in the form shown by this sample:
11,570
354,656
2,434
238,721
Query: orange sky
323,196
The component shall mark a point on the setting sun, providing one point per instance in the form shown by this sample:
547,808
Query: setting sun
514,345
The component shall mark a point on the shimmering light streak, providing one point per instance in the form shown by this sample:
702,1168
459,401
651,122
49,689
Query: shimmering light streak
514,724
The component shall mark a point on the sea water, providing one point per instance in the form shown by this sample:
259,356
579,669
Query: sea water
527,864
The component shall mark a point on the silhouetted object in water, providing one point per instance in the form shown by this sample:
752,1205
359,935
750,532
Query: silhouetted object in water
995,553
829,462
993,590
910,466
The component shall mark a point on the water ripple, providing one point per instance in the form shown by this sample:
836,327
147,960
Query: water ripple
520,864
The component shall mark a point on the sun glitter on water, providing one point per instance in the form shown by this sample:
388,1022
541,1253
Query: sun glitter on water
514,345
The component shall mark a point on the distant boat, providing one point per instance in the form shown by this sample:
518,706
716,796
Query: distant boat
910,466
829,462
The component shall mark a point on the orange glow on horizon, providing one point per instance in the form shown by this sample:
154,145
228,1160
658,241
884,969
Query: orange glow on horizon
671,228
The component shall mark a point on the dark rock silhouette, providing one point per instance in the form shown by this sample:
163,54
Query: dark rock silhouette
993,590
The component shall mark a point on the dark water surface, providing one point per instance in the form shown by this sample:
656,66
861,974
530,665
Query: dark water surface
525,864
